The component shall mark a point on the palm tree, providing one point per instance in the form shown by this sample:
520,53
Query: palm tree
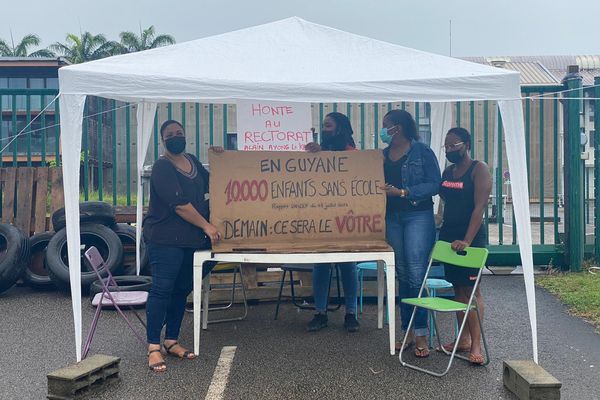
22,48
86,47
130,42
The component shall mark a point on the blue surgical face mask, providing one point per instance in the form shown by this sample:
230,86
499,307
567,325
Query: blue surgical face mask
385,136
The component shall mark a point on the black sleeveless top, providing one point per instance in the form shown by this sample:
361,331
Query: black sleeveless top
459,202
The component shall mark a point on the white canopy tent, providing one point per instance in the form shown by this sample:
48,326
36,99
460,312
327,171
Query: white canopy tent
287,60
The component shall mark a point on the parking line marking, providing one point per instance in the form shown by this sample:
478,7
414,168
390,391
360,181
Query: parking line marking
221,374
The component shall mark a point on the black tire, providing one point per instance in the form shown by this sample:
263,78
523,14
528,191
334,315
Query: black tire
129,283
14,255
103,238
126,233
36,271
92,212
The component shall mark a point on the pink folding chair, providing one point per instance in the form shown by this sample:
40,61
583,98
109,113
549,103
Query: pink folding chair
116,298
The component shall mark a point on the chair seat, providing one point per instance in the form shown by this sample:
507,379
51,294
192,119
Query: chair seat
438,304
438,284
122,299
223,267
370,265
297,267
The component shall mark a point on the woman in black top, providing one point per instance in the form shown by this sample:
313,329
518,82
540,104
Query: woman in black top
174,228
466,187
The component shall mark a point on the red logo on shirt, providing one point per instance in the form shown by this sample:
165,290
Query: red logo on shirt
453,185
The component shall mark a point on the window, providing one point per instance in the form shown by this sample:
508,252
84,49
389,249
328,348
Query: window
51,83
3,83
36,83
17,83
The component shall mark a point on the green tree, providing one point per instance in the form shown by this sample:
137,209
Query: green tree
87,47
130,42
21,49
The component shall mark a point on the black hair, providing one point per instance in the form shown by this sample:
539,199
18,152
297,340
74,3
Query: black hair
405,121
343,127
167,123
463,134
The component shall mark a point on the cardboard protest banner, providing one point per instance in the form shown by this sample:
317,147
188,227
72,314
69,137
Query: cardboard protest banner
273,126
298,201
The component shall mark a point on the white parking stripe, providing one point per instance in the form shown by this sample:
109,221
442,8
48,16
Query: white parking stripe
221,374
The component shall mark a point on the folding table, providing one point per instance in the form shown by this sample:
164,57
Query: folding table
383,258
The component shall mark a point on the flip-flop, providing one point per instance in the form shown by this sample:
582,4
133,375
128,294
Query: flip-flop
476,359
421,352
157,367
187,355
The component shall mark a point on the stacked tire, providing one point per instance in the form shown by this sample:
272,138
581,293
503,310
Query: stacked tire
14,255
36,272
100,236
127,235
41,261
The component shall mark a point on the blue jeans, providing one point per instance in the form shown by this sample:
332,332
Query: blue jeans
411,235
172,282
321,278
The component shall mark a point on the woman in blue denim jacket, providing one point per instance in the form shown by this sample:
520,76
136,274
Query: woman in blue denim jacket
412,177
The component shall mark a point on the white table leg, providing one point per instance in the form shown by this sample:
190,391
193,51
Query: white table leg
199,258
380,286
391,302
205,302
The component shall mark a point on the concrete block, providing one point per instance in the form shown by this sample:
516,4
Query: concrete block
529,381
82,378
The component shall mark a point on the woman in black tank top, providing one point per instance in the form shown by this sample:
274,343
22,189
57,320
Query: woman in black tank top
466,187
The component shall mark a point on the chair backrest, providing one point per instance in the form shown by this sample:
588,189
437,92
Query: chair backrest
96,262
471,257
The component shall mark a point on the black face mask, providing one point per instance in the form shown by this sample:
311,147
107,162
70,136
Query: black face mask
455,156
175,144
333,142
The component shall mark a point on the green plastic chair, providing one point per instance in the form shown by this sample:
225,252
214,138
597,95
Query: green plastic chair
471,257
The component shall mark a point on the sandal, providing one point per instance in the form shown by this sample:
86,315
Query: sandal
407,346
187,355
160,366
421,352
476,359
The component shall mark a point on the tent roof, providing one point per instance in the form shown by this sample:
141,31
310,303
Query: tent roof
293,60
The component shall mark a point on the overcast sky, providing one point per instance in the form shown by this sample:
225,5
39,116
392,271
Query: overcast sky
479,27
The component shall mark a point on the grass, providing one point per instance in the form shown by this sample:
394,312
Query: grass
108,198
580,291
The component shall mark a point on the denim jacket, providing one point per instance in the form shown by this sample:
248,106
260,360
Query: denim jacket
420,173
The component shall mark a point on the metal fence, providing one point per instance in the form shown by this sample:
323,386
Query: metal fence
108,148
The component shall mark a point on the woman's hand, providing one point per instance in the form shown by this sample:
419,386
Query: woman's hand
459,245
217,149
313,147
212,232
391,190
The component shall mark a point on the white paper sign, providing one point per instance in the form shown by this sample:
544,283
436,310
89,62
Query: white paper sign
273,126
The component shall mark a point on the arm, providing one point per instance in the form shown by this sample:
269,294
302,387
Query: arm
431,180
164,179
483,188
191,215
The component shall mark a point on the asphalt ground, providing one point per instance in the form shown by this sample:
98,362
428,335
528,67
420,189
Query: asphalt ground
280,360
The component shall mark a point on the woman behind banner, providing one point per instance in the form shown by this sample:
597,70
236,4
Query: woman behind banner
412,177
174,228
466,186
336,135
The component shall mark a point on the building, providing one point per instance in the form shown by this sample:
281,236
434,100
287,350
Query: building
17,75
